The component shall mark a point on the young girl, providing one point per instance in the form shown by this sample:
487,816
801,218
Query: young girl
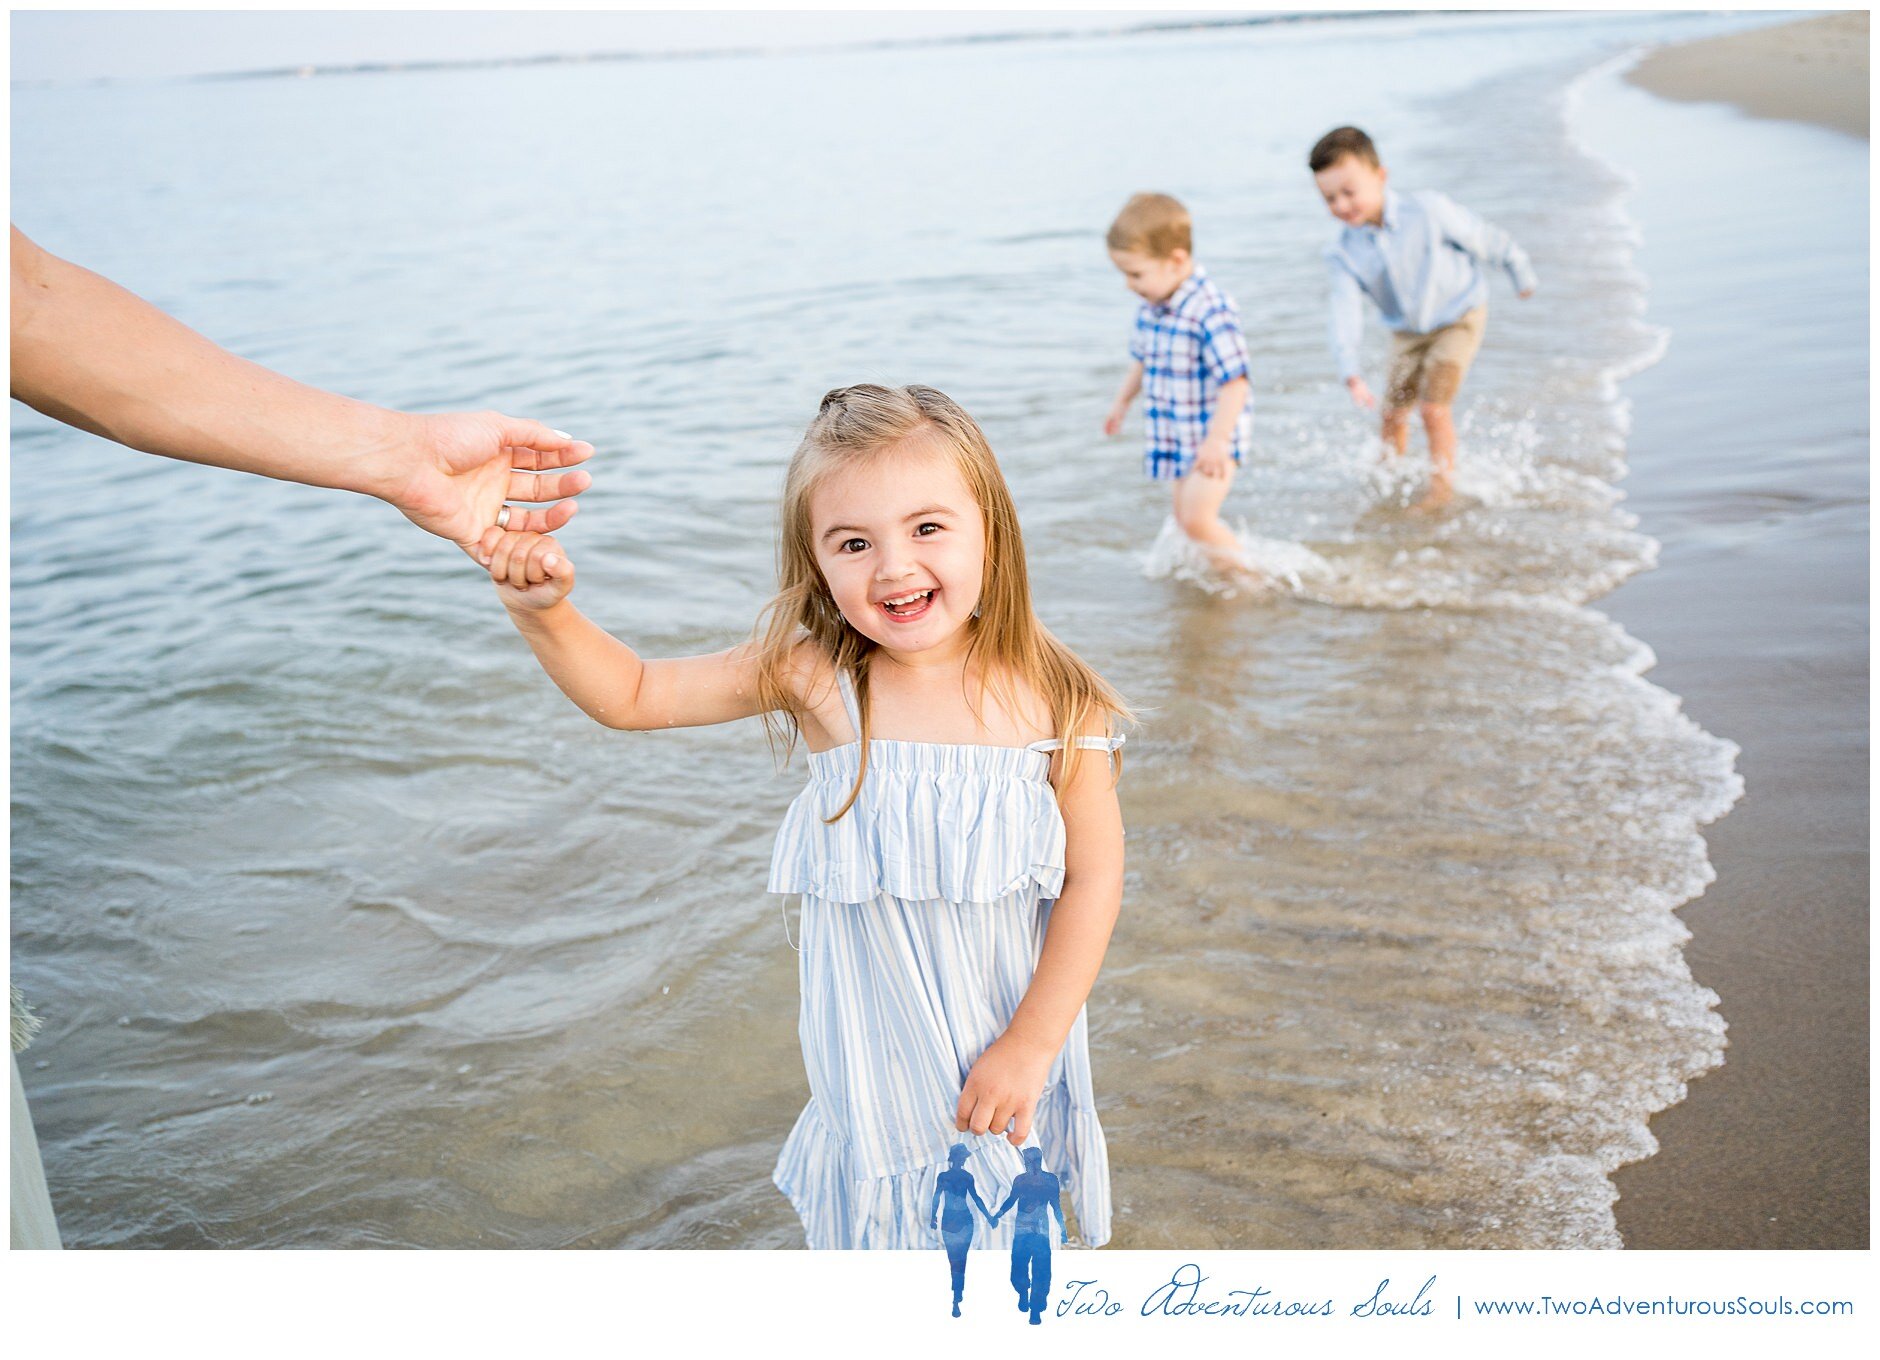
960,862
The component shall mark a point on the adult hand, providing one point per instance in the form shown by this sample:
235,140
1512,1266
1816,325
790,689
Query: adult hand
1360,394
458,470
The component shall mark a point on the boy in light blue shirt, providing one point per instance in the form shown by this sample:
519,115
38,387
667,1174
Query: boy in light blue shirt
1419,258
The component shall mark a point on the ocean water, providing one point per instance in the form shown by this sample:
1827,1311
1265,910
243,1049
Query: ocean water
349,930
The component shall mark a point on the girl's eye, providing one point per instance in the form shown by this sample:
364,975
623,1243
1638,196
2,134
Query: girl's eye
853,545
922,531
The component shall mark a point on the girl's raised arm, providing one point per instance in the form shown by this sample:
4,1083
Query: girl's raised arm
605,677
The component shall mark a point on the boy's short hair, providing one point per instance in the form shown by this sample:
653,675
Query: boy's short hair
1335,145
1154,224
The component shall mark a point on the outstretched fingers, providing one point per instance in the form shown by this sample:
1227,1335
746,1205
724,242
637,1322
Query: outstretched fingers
546,486
543,521
535,446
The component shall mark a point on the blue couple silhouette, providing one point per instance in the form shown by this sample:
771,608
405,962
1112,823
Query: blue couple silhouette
1035,1193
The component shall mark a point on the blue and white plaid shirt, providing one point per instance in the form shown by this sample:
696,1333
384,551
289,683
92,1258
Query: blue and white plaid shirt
1189,347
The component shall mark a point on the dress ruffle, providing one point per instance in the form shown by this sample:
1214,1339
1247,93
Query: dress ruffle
843,1211
932,823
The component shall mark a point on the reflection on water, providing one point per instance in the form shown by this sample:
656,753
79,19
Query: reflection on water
349,930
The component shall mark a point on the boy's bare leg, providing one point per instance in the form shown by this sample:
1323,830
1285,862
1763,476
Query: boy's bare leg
1197,510
1396,431
1439,423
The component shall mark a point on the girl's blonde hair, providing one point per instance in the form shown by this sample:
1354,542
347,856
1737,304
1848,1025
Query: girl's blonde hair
1009,646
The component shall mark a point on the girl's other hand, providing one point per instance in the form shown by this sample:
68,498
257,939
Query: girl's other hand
1003,1088
531,570
1113,423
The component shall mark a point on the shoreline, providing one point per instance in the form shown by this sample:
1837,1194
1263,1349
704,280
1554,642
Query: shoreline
1809,71
1758,615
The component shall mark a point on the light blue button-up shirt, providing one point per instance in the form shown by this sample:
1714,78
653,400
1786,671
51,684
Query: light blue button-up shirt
1422,267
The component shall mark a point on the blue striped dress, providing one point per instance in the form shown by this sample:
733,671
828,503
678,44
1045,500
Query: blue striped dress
923,910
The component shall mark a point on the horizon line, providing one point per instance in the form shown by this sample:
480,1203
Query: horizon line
427,65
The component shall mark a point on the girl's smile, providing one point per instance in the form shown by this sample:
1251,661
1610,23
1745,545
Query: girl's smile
907,608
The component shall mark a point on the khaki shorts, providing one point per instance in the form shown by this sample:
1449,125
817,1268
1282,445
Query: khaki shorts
1430,367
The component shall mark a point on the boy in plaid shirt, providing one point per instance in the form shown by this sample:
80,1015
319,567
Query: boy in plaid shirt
1191,367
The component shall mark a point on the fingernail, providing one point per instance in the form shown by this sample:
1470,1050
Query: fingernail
561,434
551,561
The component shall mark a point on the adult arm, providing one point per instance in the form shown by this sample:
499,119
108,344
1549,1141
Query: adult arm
1484,240
91,354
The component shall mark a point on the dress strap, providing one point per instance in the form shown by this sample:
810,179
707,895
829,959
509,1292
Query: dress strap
1109,744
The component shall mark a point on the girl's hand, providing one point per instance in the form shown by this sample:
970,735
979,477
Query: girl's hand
531,571
1113,423
1003,1088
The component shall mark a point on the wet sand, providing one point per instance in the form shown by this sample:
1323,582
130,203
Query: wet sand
1814,71
1759,617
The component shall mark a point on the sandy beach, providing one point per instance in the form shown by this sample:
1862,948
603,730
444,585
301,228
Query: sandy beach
1758,615
1814,71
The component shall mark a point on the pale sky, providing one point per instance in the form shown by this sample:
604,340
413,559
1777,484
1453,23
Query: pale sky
88,44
